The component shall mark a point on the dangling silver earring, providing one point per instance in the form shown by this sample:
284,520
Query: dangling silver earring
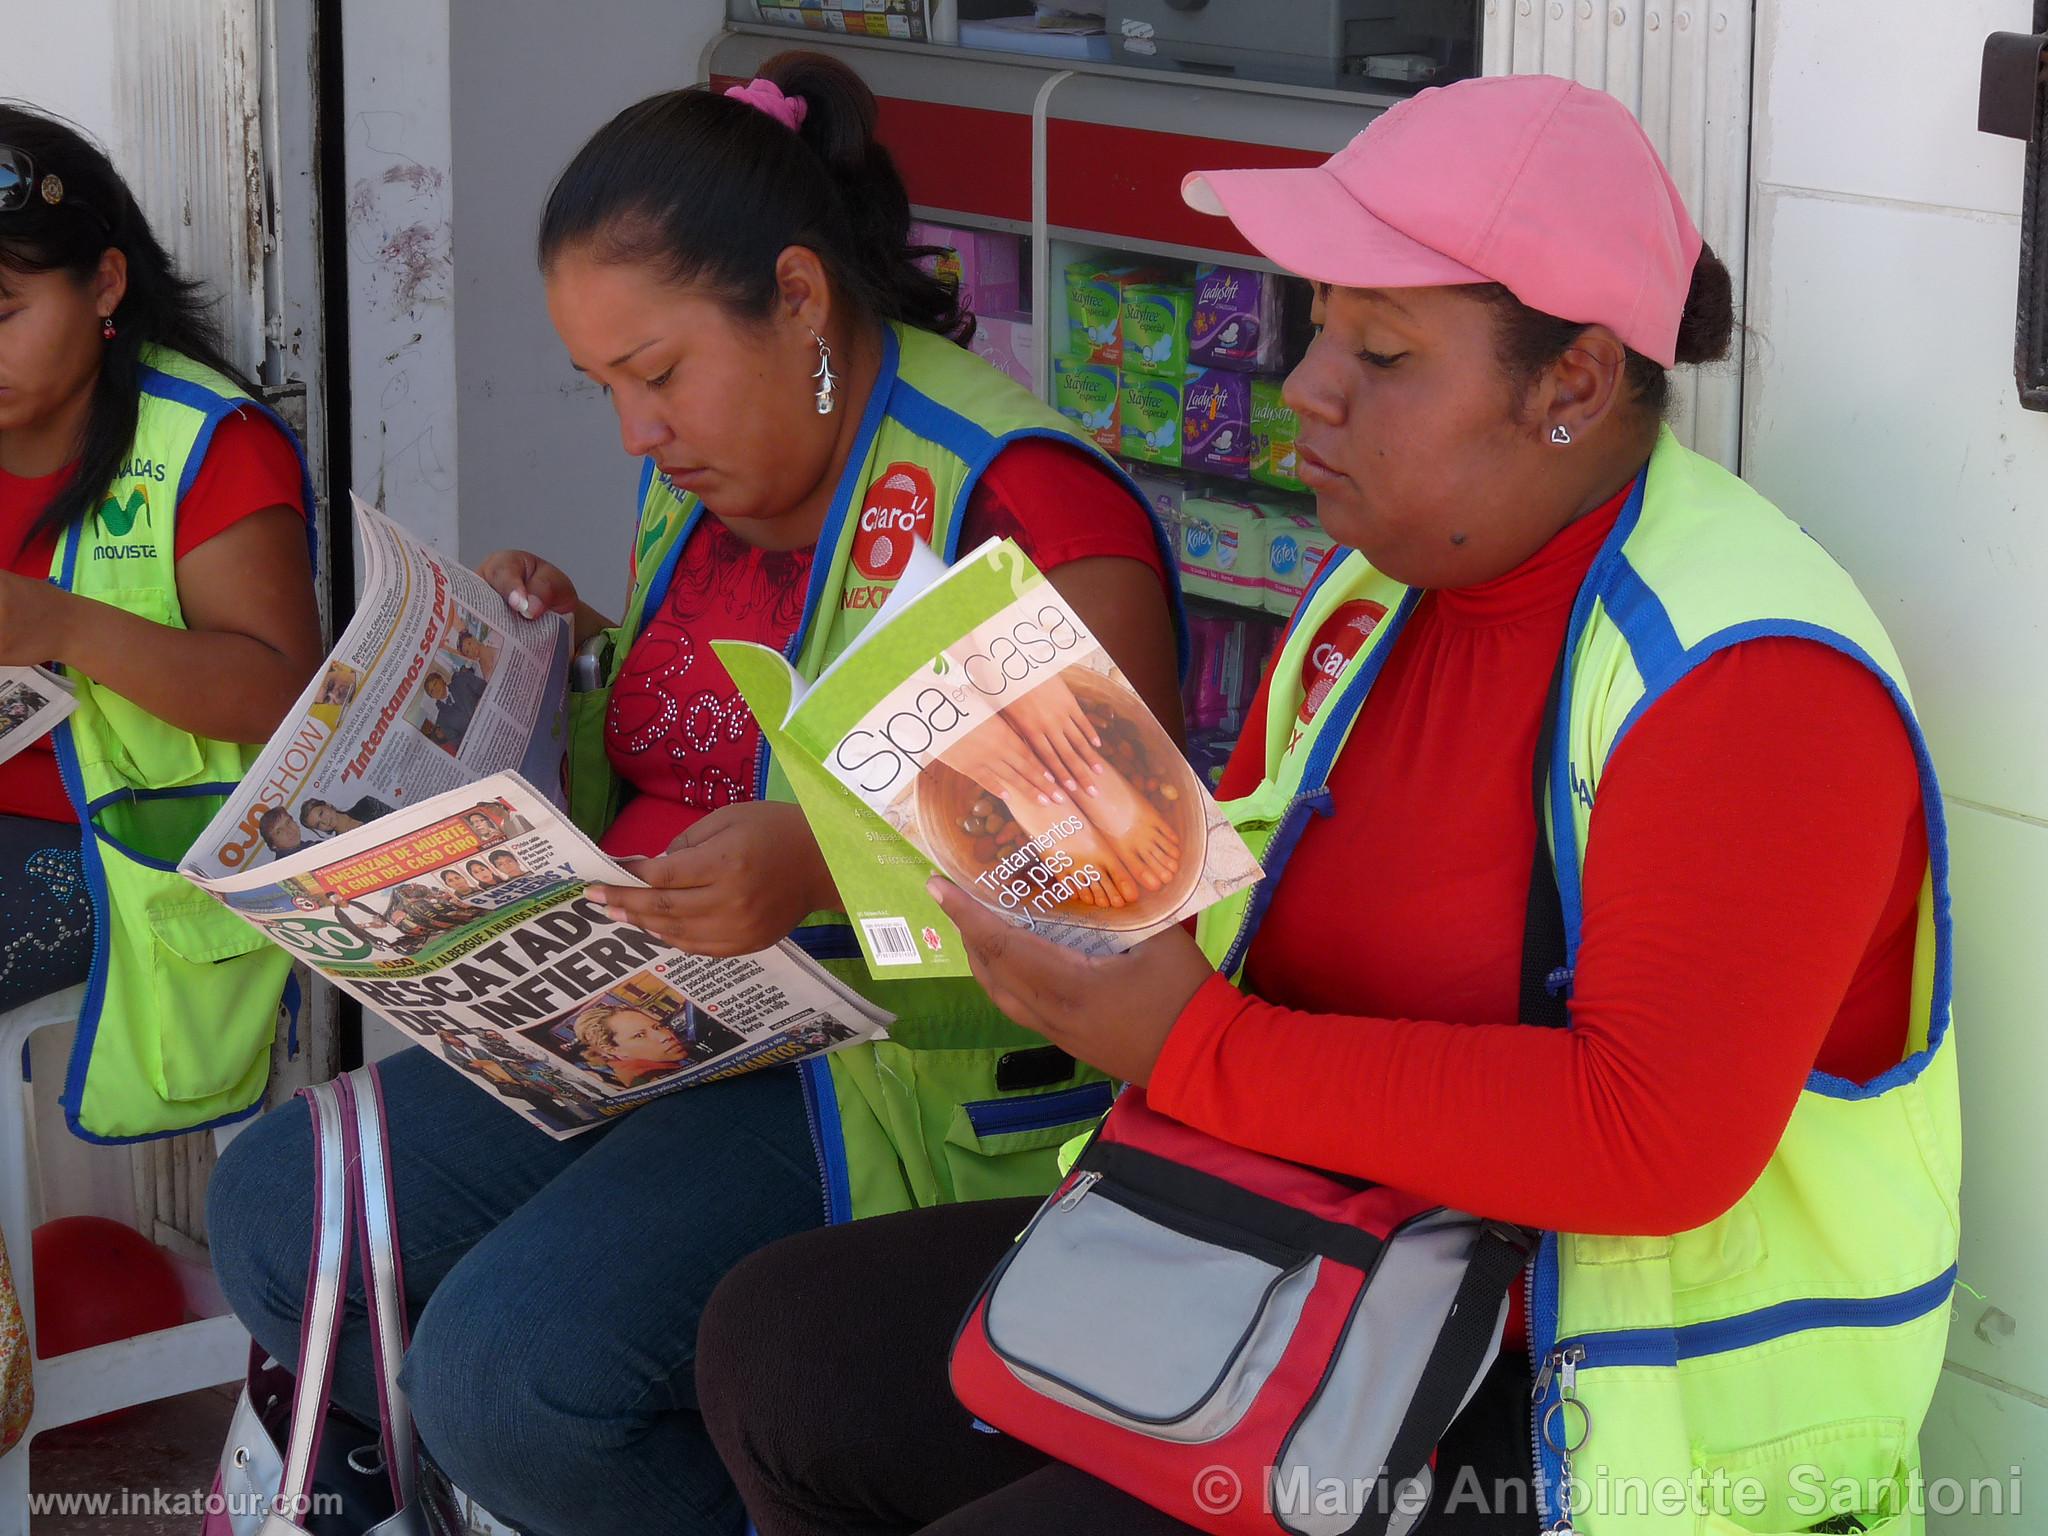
1560,436
824,378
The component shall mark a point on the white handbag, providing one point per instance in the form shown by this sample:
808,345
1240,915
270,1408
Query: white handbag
267,1489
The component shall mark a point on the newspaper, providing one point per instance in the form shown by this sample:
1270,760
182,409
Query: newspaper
32,701
434,684
400,849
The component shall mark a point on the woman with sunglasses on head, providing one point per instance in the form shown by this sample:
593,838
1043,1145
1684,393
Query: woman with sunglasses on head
153,543
1743,1148
732,267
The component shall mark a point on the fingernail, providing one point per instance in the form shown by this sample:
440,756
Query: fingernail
936,889
1073,783
1095,791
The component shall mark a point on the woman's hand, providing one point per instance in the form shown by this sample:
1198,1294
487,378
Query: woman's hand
1112,1011
1052,723
30,613
529,584
738,881
532,587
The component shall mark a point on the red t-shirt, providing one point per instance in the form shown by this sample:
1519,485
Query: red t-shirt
1756,856
677,730
250,466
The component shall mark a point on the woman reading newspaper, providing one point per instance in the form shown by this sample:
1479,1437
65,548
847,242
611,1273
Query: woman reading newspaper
731,268
1742,1149
153,546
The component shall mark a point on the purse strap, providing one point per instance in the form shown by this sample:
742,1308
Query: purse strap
351,1197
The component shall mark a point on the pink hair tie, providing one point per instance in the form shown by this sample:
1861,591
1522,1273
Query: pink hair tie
766,96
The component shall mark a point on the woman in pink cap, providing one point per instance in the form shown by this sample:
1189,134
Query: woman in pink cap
1730,883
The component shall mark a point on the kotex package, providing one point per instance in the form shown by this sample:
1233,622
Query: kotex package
1296,548
1223,551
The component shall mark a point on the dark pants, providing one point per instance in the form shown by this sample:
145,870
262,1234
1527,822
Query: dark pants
45,910
555,1286
821,1367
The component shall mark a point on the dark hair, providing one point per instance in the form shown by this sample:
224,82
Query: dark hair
307,805
161,307
273,821
711,191
1530,341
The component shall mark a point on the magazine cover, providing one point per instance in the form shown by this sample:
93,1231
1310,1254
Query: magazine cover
977,727
465,920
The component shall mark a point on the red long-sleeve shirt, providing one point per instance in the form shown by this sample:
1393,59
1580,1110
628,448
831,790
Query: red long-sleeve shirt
1754,863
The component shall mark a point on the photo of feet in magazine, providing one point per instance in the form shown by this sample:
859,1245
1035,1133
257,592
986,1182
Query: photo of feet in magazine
976,727
458,911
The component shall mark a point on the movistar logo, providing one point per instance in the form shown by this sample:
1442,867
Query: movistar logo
118,519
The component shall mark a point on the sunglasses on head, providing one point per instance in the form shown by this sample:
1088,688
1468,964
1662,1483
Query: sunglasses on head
18,180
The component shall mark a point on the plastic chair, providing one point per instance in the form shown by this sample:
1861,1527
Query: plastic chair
86,1382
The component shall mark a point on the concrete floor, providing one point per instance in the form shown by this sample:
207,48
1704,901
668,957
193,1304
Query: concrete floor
173,1445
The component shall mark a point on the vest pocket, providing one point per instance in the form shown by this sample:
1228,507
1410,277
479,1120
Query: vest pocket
992,1144
1853,1467
215,997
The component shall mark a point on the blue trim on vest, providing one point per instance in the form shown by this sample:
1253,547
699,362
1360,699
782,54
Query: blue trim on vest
1641,617
665,574
821,1099
1668,1346
216,409
1041,1111
130,794
73,1094
1943,992
1341,712
1604,574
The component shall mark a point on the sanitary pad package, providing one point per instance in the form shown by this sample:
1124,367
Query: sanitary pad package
1216,432
1155,321
1088,394
1223,551
1274,429
1236,322
1149,418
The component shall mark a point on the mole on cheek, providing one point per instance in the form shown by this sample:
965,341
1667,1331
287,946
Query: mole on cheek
1458,538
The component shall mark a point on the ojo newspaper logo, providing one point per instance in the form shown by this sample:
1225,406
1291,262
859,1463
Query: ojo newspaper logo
896,510
1339,639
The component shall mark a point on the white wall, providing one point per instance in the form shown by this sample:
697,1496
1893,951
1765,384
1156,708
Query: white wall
469,424
1880,411
60,58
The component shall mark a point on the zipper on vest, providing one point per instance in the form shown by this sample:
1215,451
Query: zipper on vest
1561,1428
811,1120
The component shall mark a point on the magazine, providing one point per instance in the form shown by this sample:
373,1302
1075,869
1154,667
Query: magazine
426,875
32,701
977,727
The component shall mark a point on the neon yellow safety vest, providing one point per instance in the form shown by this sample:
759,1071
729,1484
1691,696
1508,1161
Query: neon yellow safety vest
919,1119
181,1004
1733,1373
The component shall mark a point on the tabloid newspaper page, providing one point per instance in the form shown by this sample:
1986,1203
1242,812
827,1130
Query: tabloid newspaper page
435,683
464,920
32,701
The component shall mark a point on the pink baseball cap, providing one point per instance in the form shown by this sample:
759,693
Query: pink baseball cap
1549,188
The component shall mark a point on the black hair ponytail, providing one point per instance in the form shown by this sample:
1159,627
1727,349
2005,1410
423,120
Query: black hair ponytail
98,212
711,190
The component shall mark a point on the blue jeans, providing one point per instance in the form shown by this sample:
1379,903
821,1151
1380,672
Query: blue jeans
554,1286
